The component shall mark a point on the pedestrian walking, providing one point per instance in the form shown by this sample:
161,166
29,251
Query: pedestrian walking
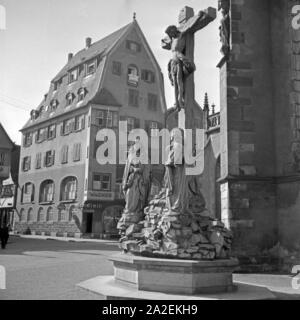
4,228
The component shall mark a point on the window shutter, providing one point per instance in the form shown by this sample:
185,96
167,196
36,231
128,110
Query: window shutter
83,123
36,136
72,126
53,157
62,153
62,129
45,135
54,132
79,152
45,160
29,163
74,152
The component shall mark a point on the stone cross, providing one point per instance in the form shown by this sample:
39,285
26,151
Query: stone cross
190,24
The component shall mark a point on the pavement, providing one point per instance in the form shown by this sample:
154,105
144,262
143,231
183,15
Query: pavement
46,268
50,269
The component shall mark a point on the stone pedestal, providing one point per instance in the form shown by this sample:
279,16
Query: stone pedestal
174,276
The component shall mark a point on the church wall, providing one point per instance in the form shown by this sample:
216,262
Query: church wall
286,60
248,190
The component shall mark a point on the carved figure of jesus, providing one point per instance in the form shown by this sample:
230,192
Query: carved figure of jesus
181,64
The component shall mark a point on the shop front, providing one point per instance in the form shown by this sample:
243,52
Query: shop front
100,218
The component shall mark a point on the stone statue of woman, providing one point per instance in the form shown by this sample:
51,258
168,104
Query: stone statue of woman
175,177
136,186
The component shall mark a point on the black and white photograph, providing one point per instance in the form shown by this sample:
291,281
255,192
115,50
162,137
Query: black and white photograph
150,152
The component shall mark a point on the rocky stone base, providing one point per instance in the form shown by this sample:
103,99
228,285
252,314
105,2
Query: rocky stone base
168,234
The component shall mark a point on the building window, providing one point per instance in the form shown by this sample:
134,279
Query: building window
117,68
133,46
99,118
26,164
40,216
152,101
77,152
64,154
57,84
106,119
133,98
41,135
152,126
53,105
148,76
62,215
28,193
73,75
47,191
50,214
102,182
91,67
27,142
22,215
133,75
79,123
130,123
49,159
70,98
67,126
81,94
38,160
30,216
68,189
51,132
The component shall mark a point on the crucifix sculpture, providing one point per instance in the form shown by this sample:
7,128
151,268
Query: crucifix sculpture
175,222
180,40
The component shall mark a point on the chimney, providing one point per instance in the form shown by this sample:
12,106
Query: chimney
70,56
88,42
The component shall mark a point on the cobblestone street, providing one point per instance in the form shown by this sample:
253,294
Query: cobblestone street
49,269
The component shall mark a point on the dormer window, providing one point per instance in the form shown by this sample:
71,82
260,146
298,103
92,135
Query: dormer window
70,98
91,67
133,75
81,94
57,84
73,75
34,114
53,105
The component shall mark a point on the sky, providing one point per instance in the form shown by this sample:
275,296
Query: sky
40,33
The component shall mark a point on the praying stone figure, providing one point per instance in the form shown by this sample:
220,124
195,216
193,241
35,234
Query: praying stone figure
136,187
224,6
175,178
